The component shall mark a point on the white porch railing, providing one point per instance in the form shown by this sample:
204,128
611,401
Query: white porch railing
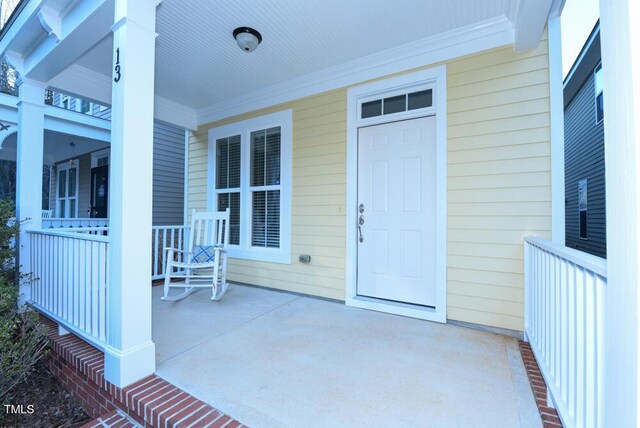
69,280
166,237
57,223
564,314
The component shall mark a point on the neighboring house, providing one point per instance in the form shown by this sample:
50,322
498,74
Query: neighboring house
406,160
585,213
77,153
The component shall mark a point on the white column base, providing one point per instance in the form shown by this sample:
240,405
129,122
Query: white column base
122,368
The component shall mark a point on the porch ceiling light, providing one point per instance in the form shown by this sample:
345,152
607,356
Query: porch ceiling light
247,38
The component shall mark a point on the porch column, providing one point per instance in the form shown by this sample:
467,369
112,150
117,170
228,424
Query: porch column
30,147
130,354
620,46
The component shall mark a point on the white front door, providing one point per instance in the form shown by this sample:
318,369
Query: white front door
397,211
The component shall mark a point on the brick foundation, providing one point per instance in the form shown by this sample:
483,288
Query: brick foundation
151,402
549,415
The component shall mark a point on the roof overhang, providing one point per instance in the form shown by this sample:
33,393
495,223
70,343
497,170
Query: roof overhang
201,75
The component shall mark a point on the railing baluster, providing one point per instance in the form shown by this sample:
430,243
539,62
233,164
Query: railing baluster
155,251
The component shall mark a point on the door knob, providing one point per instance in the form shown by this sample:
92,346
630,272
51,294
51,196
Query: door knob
361,208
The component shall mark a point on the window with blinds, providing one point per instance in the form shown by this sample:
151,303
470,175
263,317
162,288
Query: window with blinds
228,167
265,188
250,173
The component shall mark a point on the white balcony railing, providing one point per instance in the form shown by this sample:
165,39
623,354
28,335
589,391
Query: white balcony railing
57,223
69,280
564,314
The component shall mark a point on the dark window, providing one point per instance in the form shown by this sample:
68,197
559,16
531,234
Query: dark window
395,104
599,94
371,109
582,208
420,99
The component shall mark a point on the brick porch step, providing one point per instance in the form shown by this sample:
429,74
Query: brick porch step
113,419
150,402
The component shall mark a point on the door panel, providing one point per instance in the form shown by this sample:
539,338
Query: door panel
100,192
397,189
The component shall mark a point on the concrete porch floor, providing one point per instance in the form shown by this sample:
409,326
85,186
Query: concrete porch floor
273,359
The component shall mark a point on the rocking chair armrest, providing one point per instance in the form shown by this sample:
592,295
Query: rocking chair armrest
177,250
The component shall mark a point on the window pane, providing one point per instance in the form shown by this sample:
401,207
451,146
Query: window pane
420,99
62,184
265,157
72,181
371,109
72,208
395,104
259,220
600,107
228,163
231,200
598,79
62,213
265,222
258,157
273,219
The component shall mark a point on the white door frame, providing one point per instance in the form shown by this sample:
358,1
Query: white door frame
434,78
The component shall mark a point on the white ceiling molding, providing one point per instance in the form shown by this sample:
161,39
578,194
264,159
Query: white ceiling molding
49,41
174,113
531,18
50,21
441,47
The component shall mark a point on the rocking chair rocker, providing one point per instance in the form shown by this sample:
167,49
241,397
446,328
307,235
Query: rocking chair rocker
204,263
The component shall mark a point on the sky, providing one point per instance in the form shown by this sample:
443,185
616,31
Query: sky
577,20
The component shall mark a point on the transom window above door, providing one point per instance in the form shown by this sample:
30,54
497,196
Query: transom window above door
250,173
392,104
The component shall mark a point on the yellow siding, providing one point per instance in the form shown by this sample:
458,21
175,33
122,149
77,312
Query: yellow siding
318,196
499,186
498,179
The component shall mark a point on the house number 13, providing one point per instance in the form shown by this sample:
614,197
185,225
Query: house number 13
117,67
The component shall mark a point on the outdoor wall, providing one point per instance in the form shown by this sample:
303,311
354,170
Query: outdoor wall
499,186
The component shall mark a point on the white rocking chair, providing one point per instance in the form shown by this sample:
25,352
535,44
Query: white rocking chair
204,263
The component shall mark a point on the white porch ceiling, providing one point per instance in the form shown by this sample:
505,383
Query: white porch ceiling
198,63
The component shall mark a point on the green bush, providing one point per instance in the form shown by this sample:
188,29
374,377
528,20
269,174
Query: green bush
22,337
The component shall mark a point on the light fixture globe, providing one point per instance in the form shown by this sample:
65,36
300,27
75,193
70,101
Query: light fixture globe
247,38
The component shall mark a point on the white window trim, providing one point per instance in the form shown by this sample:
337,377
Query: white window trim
100,154
597,94
283,119
66,166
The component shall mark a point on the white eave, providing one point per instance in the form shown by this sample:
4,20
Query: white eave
202,76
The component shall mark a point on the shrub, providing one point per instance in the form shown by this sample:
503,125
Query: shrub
22,337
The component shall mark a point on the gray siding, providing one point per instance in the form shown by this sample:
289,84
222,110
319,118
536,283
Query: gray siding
168,175
584,159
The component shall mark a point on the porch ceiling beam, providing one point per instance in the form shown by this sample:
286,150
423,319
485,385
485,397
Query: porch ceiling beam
88,84
530,20
48,36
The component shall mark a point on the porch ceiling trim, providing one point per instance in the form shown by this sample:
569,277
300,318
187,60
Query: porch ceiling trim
43,41
88,84
530,21
451,44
